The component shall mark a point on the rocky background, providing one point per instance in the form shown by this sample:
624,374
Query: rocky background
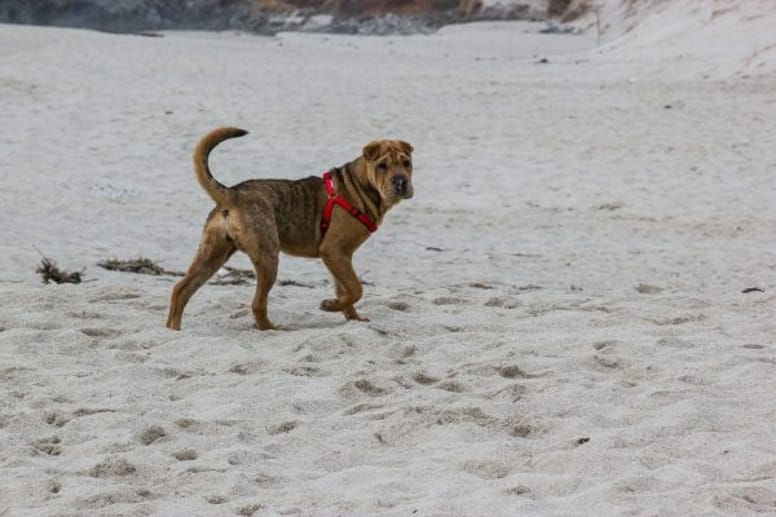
271,16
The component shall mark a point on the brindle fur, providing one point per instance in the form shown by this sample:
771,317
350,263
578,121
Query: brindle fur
264,217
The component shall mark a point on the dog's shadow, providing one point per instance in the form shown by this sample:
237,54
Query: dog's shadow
307,325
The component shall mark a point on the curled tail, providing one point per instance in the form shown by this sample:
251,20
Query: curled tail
216,190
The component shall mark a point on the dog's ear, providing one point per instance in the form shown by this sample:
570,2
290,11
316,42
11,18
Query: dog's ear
372,150
406,147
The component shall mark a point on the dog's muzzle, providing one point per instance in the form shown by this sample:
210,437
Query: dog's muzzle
402,187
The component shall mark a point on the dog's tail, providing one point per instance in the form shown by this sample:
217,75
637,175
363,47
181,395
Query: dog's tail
216,190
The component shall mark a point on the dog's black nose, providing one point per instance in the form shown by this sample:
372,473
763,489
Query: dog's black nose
400,184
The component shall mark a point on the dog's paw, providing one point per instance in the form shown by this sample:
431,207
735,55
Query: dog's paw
173,325
352,314
264,325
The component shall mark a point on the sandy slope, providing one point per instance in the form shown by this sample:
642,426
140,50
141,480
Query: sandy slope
558,326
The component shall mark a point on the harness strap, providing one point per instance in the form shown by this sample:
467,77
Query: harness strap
335,199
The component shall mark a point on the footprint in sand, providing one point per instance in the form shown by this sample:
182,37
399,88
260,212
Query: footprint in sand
245,368
674,342
425,380
606,363
101,332
512,372
56,418
748,500
525,430
187,423
451,386
84,315
403,353
518,490
449,300
640,485
397,305
265,480
152,434
648,289
363,386
513,392
247,511
486,469
51,446
114,295
282,428
360,408
185,455
54,486
85,411
605,345
112,467
679,320
107,499
217,499
306,371
505,303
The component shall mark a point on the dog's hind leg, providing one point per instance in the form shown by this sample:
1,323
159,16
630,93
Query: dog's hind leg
214,251
266,273
262,245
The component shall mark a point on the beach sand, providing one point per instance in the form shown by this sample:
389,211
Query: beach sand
558,323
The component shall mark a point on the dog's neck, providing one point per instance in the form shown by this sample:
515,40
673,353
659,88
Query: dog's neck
362,195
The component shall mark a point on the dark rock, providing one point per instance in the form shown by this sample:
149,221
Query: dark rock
264,16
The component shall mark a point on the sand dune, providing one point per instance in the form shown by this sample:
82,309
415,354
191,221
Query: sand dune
558,323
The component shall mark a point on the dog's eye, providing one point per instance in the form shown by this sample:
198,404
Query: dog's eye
407,164
382,167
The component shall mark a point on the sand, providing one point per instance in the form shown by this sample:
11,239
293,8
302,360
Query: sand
558,323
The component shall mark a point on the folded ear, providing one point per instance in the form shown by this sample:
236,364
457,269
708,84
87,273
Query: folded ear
406,147
372,150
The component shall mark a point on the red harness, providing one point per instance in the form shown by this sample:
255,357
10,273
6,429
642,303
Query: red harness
335,199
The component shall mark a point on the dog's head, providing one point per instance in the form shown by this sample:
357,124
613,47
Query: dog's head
389,169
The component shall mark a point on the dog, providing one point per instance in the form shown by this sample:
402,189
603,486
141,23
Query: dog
316,217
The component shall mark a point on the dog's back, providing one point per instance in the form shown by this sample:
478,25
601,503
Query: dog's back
296,205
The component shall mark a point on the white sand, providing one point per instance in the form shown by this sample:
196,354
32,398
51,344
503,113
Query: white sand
511,367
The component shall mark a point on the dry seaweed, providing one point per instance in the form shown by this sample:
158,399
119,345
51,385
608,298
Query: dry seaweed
49,272
235,276
140,265
294,283
144,266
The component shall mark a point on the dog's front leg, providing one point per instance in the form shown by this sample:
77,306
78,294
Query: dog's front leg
349,311
348,286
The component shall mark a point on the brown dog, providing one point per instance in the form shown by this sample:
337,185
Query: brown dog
265,217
